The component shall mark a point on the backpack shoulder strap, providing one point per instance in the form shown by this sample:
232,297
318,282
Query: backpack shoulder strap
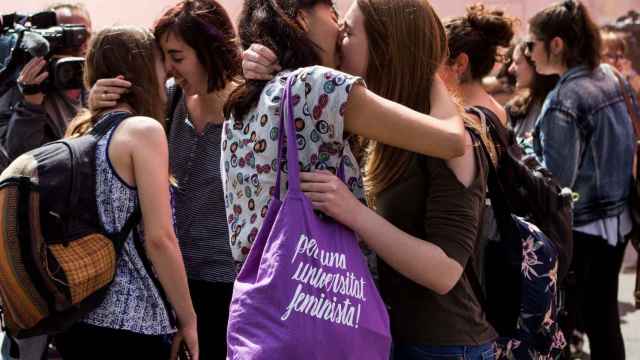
499,133
108,122
493,182
80,158
474,281
133,220
635,118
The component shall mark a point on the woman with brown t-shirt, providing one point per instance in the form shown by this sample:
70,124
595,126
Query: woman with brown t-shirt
429,210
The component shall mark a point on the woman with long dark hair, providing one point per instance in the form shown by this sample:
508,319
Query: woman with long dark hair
584,136
533,88
331,106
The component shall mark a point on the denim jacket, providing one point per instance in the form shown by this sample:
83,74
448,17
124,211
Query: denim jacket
584,136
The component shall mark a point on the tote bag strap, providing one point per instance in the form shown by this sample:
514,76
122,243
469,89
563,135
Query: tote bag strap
286,126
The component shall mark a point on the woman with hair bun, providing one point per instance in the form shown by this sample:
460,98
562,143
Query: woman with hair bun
474,41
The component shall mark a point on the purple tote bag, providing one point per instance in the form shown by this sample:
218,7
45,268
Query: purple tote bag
305,291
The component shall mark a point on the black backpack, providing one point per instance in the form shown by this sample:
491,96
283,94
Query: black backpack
56,259
531,191
534,217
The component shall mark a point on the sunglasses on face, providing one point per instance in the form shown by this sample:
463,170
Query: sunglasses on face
614,56
529,46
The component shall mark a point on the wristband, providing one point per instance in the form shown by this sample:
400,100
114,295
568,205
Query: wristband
29,89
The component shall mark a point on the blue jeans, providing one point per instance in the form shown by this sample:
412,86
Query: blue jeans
424,352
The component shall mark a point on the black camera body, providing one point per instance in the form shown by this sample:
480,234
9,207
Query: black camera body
39,35
64,74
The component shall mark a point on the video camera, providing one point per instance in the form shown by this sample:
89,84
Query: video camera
39,35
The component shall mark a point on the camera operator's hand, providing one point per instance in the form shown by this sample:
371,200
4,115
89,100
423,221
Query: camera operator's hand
106,92
32,74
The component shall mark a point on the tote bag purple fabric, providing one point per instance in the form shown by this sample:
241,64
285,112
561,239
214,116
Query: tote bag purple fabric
305,291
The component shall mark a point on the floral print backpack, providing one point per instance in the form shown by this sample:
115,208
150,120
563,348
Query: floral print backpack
519,293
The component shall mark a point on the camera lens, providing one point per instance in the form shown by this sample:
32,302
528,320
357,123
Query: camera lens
66,73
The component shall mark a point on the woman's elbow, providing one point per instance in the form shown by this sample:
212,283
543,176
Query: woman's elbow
160,242
457,140
441,284
444,287
447,280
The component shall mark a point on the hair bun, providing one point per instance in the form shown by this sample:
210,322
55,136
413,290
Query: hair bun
570,5
496,27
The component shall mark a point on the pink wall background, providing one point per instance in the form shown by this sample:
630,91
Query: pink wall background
143,12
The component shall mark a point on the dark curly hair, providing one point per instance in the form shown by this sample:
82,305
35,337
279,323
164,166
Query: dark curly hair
478,34
272,23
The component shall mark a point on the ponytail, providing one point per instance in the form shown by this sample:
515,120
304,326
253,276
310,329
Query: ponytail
571,21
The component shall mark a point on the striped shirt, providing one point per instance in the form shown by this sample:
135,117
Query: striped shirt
199,200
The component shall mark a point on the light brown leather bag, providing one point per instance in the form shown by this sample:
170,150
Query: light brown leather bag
635,191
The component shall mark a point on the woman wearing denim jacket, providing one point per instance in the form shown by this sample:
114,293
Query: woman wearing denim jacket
584,136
